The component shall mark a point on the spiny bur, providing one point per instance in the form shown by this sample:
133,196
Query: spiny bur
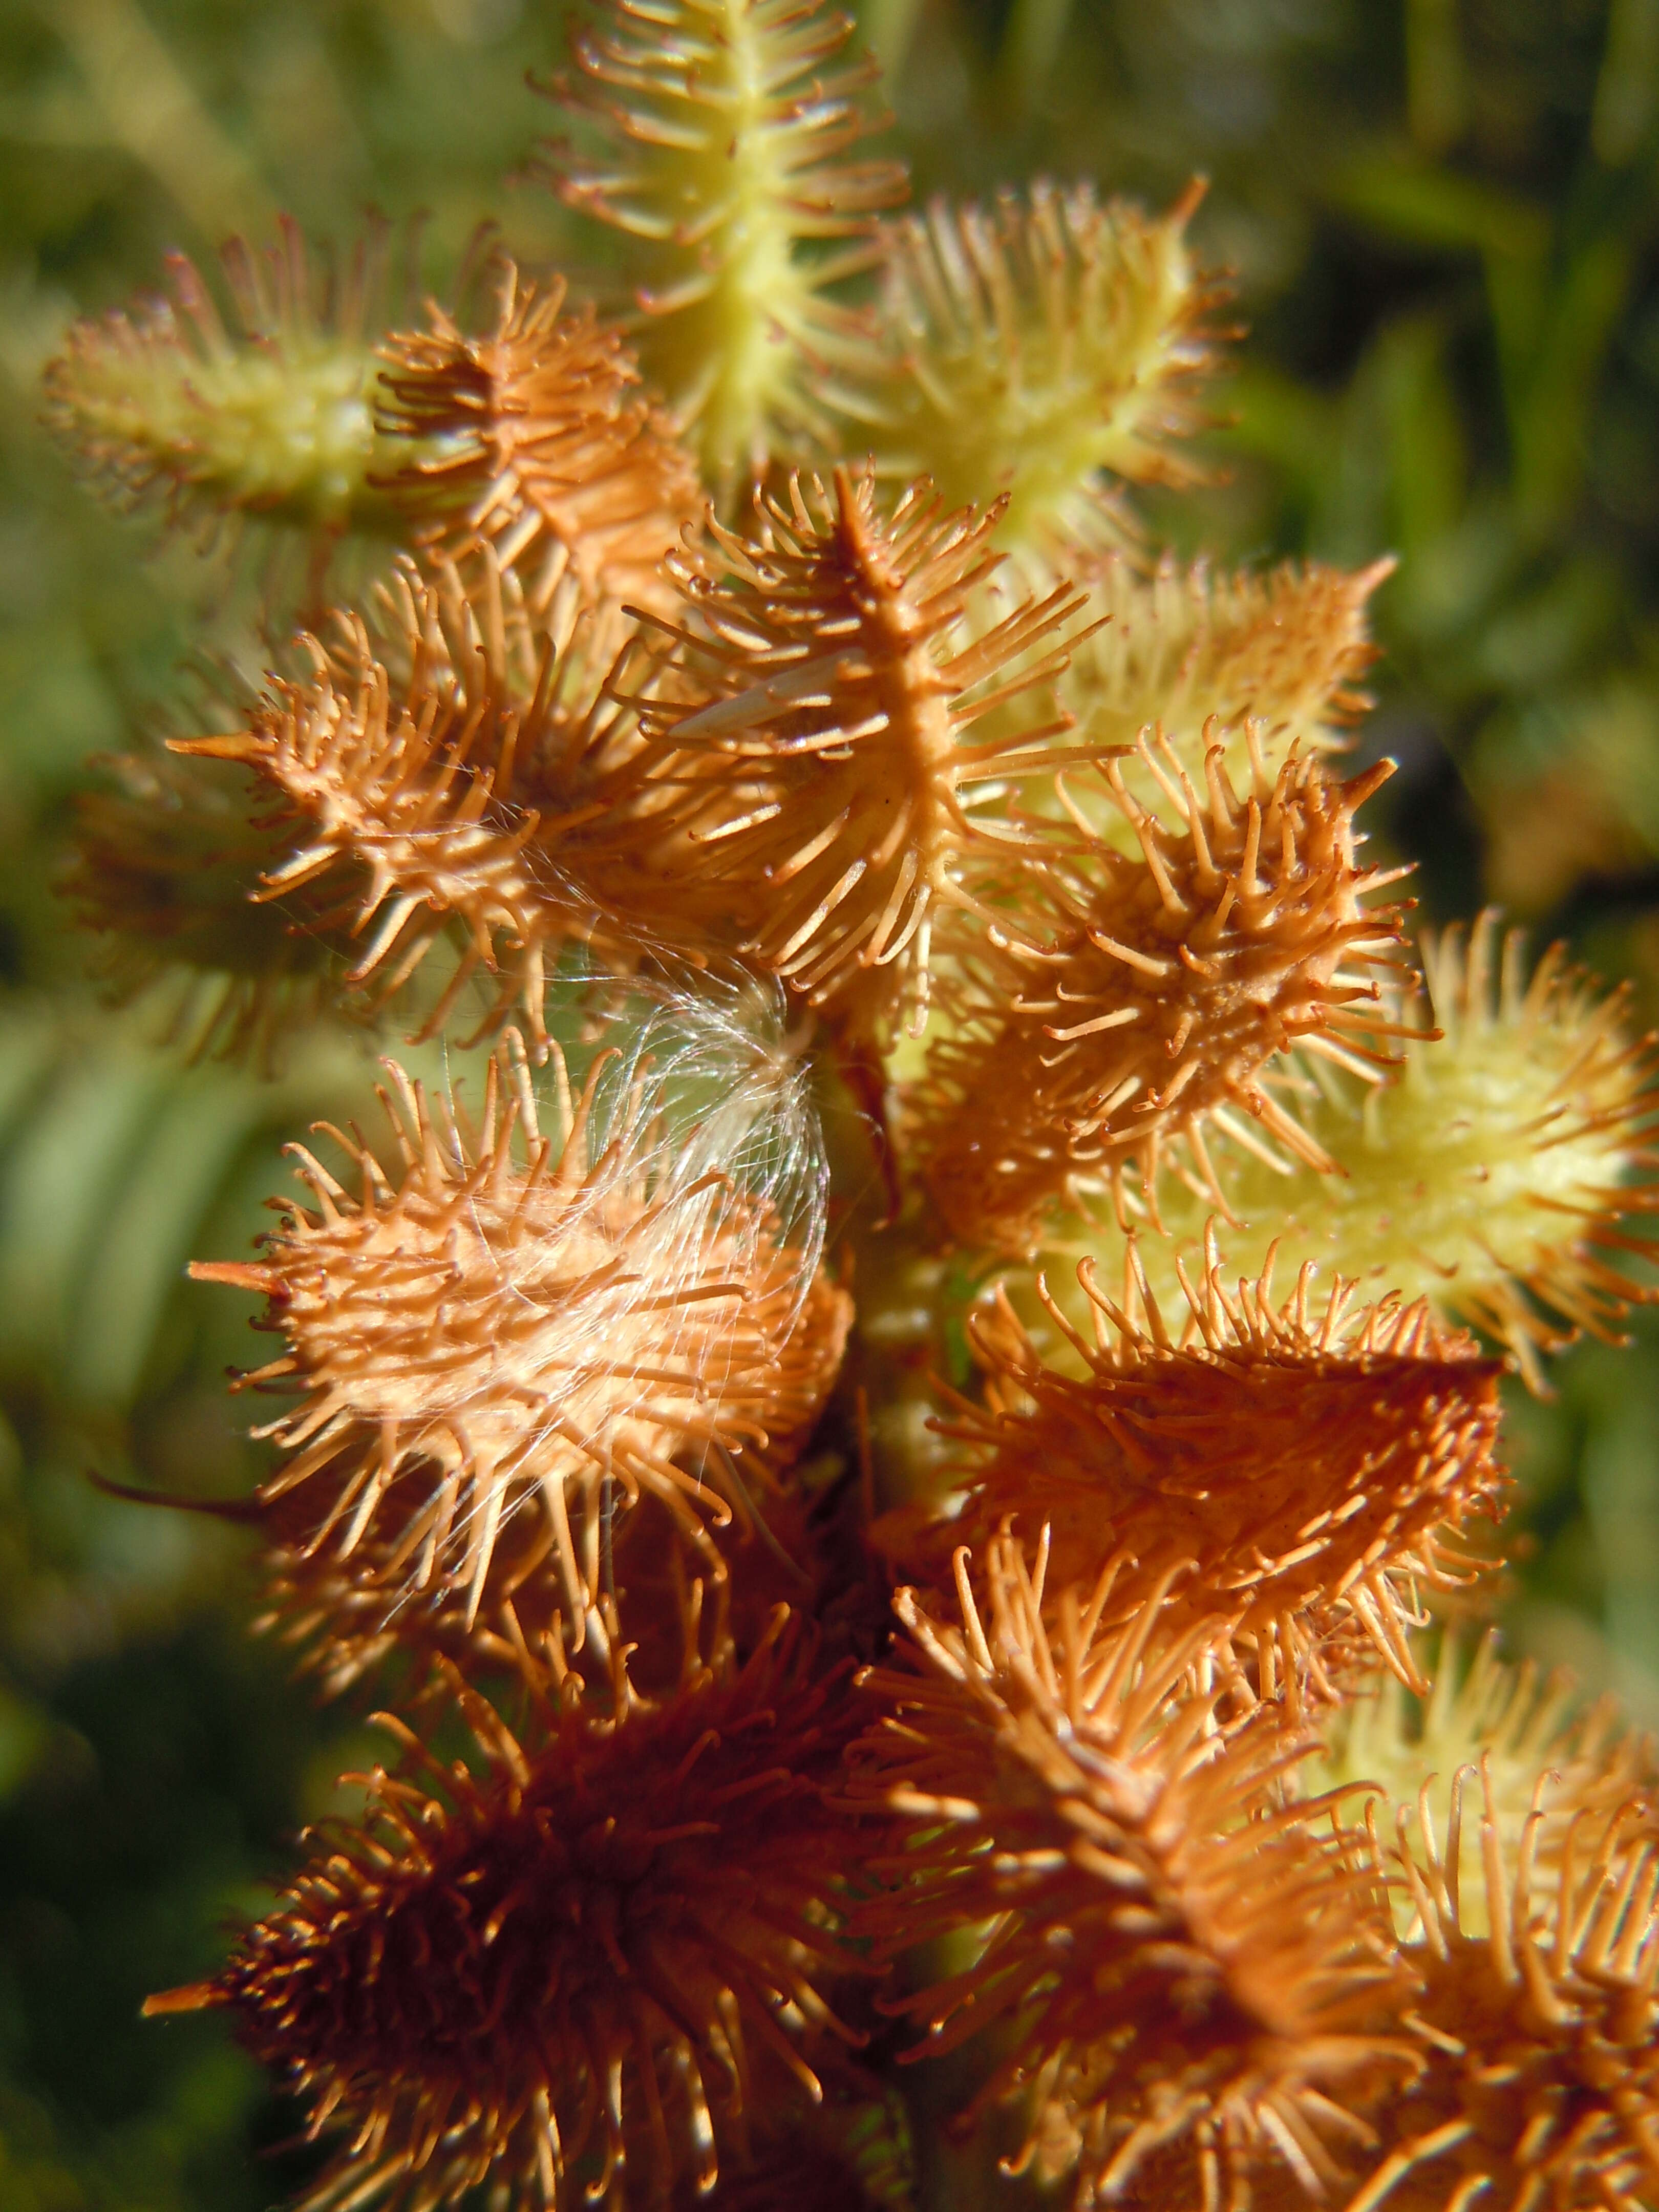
533,437
719,132
1496,1172
443,769
1545,1762
513,1326
1195,1975
165,851
563,1967
1290,1473
1205,658
1144,1000
1044,349
821,795
1539,2078
271,416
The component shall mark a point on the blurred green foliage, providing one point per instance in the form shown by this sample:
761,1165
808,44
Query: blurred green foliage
1443,215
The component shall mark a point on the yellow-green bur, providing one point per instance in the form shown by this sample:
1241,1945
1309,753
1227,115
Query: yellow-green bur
722,165
1488,1175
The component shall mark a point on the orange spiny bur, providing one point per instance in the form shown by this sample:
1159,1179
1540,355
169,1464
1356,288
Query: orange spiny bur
577,1962
820,802
1142,998
1195,1975
442,765
674,1601
1537,2018
1292,1471
513,1326
532,439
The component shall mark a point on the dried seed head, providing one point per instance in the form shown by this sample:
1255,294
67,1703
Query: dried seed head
1536,1751
817,797
578,1962
442,767
1200,656
165,850
722,130
1291,1472
672,1606
1166,985
1491,1176
1538,2025
1037,348
271,417
532,439
513,1326
1197,1970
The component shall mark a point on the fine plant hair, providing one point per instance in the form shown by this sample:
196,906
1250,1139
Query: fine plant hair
911,1354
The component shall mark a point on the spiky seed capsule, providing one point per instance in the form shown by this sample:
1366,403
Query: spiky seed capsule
1038,349
573,1964
432,779
532,438
1148,997
1197,1977
1293,1469
164,852
513,1326
1536,1752
1200,656
671,1606
1538,2025
1491,1176
273,416
819,800
723,127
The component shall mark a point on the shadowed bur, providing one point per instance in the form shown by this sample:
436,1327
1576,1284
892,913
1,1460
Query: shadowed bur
1038,349
1501,1171
445,772
165,850
819,788
515,1328
588,1956
1535,2016
1200,656
270,415
1287,1475
1194,1975
1140,1006
533,438
719,133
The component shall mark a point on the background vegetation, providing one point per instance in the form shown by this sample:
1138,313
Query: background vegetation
1444,219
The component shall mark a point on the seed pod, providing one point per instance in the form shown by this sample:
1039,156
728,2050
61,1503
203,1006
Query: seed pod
1195,1976
1536,2018
819,800
516,1327
443,766
1207,658
1039,348
722,128
1162,988
1292,1473
1496,1175
576,1962
531,438
271,417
